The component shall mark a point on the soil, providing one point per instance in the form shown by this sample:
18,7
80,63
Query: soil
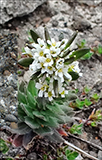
92,77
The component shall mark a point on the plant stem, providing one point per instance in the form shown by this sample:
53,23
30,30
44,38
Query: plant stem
80,150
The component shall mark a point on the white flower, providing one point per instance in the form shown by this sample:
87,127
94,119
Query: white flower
63,72
60,63
41,43
63,43
62,91
50,69
42,88
53,43
28,52
34,66
50,92
48,60
54,51
75,67
39,52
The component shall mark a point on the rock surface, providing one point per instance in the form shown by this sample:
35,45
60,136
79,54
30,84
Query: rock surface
12,8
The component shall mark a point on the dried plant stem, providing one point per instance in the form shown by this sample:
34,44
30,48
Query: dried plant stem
88,142
80,150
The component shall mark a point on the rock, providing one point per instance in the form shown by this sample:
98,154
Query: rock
7,91
12,8
93,153
54,23
80,23
100,155
55,32
91,2
11,118
46,19
2,103
32,156
6,73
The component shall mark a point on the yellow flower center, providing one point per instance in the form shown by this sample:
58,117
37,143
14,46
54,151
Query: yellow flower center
52,52
48,60
54,44
62,92
50,68
41,53
60,70
49,94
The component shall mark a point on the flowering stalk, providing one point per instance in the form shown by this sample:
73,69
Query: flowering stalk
56,63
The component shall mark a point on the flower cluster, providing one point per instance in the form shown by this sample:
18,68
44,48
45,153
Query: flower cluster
49,58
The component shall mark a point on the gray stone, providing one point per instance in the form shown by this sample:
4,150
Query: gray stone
32,156
100,155
55,32
80,23
11,118
17,8
7,91
90,2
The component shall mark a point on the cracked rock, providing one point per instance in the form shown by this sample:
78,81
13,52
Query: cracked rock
17,8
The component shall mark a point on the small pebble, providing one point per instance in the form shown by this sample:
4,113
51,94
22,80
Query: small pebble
2,102
11,118
6,73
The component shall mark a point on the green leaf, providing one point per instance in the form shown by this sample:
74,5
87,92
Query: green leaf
43,130
67,152
87,56
99,49
35,75
22,97
3,147
93,124
22,87
95,97
31,100
74,75
76,129
81,44
51,122
79,104
86,89
39,114
71,40
25,62
87,102
72,155
32,89
21,113
69,60
23,50
47,36
55,108
32,122
34,36
27,110
77,55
